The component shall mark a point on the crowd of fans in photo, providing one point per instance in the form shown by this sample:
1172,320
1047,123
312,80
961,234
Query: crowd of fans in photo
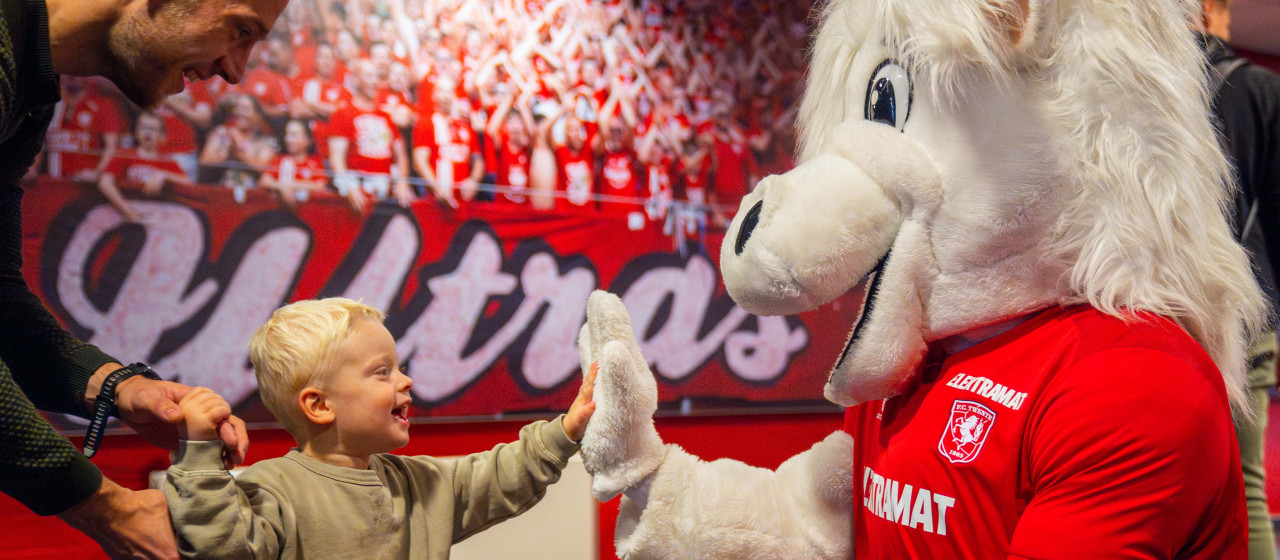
613,106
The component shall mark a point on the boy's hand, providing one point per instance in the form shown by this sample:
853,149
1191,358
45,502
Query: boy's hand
204,410
575,421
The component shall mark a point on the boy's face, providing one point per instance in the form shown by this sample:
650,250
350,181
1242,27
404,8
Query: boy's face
367,392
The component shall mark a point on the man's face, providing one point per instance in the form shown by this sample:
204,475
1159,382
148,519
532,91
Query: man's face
153,50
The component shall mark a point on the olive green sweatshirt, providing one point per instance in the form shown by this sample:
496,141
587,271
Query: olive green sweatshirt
404,508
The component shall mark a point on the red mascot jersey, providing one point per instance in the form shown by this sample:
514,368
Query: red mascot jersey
1072,435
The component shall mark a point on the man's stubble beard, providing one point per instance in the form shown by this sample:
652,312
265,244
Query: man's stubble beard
137,48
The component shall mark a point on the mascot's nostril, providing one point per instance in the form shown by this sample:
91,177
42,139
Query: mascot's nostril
748,225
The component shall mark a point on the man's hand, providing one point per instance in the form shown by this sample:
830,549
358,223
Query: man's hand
127,524
575,421
151,408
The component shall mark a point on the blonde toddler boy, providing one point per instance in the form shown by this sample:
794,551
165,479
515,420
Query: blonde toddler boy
328,370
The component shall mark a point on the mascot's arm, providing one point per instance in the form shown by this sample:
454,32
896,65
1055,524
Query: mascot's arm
679,507
1133,453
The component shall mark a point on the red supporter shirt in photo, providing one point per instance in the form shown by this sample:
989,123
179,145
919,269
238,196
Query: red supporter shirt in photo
576,175
388,100
370,134
451,142
179,137
660,188
270,87
1072,435
694,182
289,168
319,90
512,173
133,169
618,178
734,165
75,143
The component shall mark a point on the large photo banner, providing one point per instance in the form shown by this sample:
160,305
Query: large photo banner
472,167
485,304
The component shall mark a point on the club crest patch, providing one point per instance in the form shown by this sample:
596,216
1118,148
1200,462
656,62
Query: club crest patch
966,431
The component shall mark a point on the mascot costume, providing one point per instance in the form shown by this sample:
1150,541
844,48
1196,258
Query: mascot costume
1051,344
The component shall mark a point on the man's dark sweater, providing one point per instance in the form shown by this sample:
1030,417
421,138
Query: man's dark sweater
40,362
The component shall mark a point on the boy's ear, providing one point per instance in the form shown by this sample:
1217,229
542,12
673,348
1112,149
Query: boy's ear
314,406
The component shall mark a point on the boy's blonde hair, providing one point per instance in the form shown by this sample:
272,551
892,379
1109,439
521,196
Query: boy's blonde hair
293,350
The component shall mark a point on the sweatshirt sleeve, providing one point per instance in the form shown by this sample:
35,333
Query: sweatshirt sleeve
216,517
509,479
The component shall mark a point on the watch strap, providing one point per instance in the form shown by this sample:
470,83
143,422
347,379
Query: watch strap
105,405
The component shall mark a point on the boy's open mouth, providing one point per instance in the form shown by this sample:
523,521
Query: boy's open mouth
401,414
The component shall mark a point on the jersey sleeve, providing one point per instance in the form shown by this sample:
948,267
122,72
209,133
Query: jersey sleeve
1133,452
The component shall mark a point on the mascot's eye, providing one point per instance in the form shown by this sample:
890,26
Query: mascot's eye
889,95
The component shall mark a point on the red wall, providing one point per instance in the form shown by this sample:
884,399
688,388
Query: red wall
763,441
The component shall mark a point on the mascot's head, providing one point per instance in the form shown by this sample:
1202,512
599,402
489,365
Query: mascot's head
973,160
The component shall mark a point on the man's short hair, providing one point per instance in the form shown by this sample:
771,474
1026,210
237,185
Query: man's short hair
295,348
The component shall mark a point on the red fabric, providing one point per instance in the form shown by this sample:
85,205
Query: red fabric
513,173
619,178
451,142
388,100
575,179
270,87
74,143
1073,435
695,181
371,135
180,138
305,169
133,169
734,165
712,353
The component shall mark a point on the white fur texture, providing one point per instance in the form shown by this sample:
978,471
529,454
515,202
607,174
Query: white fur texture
1059,155
620,446
726,509
1076,162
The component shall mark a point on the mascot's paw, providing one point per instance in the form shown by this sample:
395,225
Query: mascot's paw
620,446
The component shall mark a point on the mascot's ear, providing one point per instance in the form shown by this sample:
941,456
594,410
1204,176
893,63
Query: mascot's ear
1013,18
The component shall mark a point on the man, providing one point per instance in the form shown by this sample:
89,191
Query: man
147,48
1247,103
446,152
366,152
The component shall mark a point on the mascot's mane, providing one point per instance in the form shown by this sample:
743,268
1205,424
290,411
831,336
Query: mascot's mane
1123,87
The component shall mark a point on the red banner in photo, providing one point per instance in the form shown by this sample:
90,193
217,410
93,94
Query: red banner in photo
485,302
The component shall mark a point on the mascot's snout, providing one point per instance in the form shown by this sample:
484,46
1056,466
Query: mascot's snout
803,238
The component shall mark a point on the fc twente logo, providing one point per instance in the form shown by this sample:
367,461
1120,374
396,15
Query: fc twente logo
966,431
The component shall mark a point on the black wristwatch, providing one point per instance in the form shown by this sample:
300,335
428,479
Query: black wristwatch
105,405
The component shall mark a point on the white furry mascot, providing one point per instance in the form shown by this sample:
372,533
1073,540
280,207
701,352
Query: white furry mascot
1055,307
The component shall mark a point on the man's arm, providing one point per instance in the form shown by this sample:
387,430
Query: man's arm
50,365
